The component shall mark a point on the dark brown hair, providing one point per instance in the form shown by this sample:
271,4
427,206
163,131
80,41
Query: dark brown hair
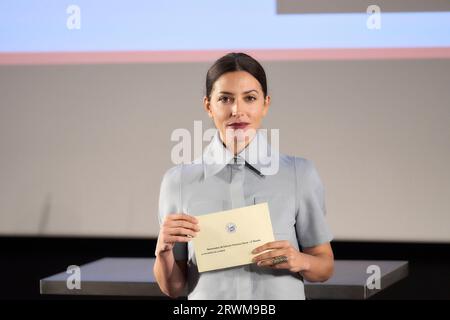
235,62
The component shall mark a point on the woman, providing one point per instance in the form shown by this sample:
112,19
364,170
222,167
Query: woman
236,99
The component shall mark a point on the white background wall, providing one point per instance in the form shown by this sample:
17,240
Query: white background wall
83,147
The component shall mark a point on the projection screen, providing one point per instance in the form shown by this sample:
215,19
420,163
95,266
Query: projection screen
91,91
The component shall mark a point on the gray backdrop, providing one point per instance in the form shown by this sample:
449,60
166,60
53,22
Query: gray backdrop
83,147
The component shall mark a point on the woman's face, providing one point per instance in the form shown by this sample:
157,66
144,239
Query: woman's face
237,107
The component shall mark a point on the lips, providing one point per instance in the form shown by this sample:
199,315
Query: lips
238,125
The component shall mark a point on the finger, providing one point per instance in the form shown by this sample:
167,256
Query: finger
182,224
172,239
283,265
272,245
182,216
270,255
181,232
269,263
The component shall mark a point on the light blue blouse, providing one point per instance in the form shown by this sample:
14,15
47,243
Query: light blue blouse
219,181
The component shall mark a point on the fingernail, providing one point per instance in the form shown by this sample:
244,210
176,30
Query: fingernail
254,251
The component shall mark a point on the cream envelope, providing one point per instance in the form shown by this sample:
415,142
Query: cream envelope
227,238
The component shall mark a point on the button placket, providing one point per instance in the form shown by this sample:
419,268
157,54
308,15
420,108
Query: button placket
243,280
237,184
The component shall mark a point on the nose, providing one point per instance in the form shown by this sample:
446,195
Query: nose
235,108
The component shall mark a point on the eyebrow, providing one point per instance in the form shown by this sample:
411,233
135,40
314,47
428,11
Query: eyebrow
245,92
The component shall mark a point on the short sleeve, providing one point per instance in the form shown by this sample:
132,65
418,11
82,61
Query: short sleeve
170,202
311,226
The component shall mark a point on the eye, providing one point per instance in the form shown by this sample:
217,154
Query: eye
250,98
225,99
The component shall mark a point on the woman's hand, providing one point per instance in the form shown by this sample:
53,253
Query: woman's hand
177,227
296,261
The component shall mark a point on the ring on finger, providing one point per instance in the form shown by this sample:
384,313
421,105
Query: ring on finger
279,259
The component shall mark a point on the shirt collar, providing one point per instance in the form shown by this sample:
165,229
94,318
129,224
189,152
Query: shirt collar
255,155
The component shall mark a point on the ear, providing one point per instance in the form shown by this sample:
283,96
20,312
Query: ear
207,106
266,106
